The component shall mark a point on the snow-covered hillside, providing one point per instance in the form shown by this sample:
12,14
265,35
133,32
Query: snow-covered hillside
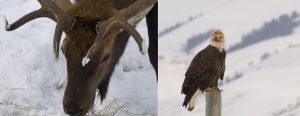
33,84
262,39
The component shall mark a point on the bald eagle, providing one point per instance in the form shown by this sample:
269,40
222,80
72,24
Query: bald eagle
206,68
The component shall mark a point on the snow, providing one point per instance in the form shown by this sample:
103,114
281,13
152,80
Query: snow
261,79
144,47
33,84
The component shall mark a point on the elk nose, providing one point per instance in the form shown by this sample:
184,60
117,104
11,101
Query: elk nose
73,110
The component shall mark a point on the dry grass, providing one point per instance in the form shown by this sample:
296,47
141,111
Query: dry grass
117,107
13,109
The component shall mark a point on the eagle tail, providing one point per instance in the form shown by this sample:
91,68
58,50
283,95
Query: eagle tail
190,101
186,101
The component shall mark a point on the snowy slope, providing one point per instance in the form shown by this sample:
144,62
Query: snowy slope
262,38
33,84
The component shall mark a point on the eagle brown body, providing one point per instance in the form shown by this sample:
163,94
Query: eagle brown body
206,68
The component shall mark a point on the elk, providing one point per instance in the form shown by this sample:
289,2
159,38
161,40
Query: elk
96,35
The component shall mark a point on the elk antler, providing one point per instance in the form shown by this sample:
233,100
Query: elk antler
51,10
124,19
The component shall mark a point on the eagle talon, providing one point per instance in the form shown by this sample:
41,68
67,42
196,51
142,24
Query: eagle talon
211,89
217,89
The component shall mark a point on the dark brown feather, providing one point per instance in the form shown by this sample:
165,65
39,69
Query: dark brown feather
206,68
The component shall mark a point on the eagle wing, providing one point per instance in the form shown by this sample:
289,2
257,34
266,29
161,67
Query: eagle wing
222,64
197,73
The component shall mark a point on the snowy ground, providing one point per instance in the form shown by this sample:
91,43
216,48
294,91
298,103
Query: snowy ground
262,66
33,84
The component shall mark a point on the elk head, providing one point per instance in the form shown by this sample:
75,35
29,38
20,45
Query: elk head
91,44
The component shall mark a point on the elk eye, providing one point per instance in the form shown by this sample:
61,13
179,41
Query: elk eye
106,57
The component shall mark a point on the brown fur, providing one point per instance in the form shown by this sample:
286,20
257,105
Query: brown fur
63,4
83,81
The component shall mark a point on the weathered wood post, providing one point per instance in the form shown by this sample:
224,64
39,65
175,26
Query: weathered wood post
213,103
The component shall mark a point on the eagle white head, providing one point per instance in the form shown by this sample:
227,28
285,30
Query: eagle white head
218,40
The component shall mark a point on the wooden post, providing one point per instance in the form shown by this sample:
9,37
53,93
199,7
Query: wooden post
213,103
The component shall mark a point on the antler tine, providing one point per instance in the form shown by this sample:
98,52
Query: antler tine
121,23
56,41
33,15
121,20
50,10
